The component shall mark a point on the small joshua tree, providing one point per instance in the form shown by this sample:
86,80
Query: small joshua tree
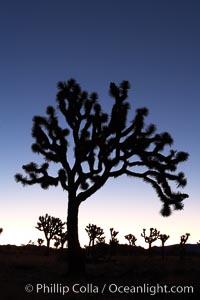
153,236
94,233
131,239
183,241
198,242
40,242
57,242
1,230
31,243
61,238
184,238
113,239
163,238
51,227
101,239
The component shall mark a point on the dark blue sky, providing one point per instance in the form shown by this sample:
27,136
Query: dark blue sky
153,44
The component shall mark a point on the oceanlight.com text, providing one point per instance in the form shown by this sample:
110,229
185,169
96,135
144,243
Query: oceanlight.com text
111,288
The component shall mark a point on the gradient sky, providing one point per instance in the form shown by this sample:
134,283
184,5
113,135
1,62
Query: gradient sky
153,44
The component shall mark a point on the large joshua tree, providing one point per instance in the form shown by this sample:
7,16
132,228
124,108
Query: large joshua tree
91,146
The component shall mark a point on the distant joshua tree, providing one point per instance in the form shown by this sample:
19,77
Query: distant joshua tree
163,238
57,242
183,241
40,242
198,242
184,238
113,239
91,146
131,239
51,227
95,233
153,236
31,243
1,230
61,238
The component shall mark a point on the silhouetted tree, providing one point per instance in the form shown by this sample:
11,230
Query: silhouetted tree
1,230
40,242
31,243
104,146
113,239
95,233
131,239
51,227
101,239
62,237
184,238
163,238
57,242
198,242
153,236
183,241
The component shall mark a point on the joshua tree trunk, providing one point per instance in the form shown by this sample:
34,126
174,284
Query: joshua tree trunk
89,247
182,251
163,250
48,247
75,253
150,250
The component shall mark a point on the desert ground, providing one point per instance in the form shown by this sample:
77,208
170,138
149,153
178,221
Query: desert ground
27,273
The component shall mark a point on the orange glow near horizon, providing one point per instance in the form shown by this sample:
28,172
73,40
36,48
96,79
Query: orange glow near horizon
20,235
21,229
125,204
